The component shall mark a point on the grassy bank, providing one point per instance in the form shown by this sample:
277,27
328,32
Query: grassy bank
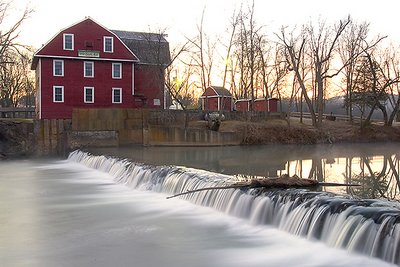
282,132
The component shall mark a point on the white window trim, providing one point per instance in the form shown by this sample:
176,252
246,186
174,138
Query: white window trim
113,90
133,79
54,67
84,94
54,93
84,69
68,34
112,44
120,70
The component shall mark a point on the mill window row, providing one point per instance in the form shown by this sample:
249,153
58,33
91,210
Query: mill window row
69,43
88,94
88,69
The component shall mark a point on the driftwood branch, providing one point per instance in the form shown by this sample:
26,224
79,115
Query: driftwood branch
284,181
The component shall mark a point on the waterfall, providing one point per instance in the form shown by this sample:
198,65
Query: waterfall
370,227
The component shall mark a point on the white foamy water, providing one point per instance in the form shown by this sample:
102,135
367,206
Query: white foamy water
60,213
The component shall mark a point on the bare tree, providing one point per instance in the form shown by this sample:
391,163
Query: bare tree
9,36
248,55
323,42
295,56
227,60
351,45
317,47
374,78
198,50
391,70
180,84
14,60
16,83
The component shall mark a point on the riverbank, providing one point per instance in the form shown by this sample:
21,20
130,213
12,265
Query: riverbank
281,132
17,137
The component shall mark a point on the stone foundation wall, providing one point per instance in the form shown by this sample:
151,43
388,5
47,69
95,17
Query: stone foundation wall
51,136
115,127
142,126
174,136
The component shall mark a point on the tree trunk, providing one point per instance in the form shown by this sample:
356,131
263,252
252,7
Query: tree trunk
283,182
394,113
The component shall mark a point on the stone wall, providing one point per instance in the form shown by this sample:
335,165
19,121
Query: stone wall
126,123
174,136
116,127
51,136
147,127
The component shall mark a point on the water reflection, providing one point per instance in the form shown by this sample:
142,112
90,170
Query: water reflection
378,175
374,166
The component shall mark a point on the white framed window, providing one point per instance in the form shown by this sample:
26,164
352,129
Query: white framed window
68,41
117,95
116,70
88,69
58,67
156,102
88,94
108,44
58,94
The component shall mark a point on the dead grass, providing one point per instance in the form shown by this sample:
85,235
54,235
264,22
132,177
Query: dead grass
280,132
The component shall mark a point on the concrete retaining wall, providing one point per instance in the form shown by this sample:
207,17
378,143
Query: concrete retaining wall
127,123
114,127
79,139
173,136
51,136
142,126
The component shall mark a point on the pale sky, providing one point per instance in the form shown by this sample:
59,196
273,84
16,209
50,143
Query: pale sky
181,17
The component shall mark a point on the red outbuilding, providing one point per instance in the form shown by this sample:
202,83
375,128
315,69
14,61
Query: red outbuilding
242,105
89,66
260,104
216,98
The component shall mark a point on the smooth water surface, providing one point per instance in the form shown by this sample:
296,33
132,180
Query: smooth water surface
60,213
375,167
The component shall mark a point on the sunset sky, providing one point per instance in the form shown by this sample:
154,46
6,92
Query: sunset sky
181,17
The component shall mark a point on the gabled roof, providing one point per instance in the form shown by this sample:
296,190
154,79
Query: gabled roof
146,48
150,48
219,92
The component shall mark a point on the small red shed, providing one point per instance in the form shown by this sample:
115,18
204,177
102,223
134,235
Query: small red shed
242,105
273,104
216,98
263,104
260,104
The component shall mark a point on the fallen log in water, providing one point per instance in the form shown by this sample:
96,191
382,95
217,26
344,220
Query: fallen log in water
285,181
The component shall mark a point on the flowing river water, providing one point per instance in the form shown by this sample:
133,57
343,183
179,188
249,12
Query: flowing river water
109,208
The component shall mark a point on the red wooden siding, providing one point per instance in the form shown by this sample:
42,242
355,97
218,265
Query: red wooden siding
142,83
226,103
217,103
242,105
260,104
74,83
211,101
273,104
149,86
86,32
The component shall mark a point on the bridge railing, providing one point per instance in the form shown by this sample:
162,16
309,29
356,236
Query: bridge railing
13,112
332,117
